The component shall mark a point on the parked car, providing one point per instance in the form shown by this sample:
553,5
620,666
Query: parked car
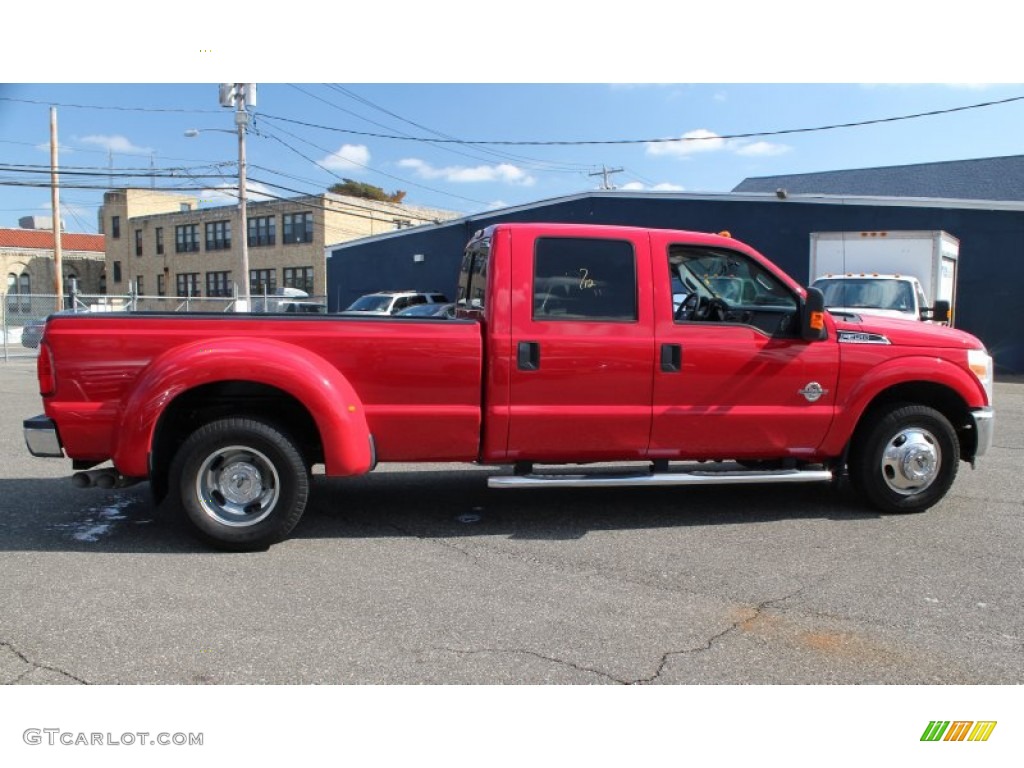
289,300
32,331
428,310
391,302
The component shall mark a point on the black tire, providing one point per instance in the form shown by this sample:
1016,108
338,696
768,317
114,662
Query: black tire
904,458
263,498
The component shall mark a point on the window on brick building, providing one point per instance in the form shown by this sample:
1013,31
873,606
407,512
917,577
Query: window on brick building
298,227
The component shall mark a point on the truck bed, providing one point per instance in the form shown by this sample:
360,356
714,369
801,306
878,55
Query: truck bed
419,380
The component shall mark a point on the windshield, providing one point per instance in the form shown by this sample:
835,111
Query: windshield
370,304
868,293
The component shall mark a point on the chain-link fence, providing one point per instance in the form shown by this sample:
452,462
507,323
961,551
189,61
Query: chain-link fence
22,316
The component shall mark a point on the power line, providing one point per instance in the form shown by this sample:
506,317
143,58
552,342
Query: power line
111,108
374,170
118,173
535,164
678,139
399,207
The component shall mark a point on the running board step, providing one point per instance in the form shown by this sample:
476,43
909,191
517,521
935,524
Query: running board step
697,477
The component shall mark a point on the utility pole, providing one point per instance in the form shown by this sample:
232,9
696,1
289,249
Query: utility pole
240,96
58,254
605,172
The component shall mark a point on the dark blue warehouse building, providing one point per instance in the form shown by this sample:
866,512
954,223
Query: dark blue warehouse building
777,223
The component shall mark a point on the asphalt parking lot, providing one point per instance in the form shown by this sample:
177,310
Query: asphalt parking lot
414,575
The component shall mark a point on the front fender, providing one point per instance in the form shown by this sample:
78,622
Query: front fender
914,369
321,388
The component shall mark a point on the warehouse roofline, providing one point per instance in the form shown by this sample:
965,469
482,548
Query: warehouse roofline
789,199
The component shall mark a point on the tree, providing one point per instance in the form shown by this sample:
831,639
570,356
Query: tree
367,191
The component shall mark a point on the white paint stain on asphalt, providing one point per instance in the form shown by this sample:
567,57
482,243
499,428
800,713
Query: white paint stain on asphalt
98,521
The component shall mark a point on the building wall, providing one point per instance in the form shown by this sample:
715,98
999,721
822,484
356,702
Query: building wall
86,267
141,213
991,247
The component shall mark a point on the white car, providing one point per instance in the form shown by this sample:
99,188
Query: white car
390,302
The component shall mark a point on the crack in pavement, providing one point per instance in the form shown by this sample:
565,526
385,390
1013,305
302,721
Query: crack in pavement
527,652
36,665
754,614
441,541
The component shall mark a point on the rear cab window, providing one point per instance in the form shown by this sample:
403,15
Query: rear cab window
472,290
584,279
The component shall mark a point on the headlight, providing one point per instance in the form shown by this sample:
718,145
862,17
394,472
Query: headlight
980,363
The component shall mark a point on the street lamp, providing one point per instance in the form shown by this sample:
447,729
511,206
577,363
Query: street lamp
238,95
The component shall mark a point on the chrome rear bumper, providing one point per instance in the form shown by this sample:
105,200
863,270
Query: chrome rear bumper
41,437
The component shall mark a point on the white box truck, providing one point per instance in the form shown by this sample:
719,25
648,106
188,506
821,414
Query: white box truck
910,274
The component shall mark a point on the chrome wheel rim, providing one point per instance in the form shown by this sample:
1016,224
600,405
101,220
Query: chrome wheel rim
911,461
237,486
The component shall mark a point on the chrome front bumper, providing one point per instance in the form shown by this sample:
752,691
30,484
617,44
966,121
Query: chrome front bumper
984,424
41,437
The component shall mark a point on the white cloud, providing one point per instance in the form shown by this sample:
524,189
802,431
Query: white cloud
350,157
117,144
700,140
761,149
703,140
638,186
504,173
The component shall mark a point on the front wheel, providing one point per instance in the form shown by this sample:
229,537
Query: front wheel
904,458
242,483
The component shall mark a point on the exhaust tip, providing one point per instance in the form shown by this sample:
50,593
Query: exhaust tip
81,480
106,480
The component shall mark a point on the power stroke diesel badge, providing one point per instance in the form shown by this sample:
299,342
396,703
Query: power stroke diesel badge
812,392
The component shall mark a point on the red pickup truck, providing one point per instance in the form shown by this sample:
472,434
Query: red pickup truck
575,344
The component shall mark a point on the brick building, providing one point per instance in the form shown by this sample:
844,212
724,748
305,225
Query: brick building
161,244
26,259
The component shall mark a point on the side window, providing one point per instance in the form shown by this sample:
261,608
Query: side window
584,279
473,276
717,285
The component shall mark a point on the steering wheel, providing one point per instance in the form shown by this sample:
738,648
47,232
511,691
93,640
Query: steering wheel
694,307
698,307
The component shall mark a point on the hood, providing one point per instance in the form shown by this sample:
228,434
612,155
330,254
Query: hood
909,333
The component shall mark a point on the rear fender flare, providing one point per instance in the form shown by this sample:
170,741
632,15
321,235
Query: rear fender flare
321,388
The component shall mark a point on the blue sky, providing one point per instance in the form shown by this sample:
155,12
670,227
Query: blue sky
117,130
535,72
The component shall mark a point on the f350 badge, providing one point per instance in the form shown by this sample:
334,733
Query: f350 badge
812,392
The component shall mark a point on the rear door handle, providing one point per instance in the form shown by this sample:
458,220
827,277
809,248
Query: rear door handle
528,356
671,358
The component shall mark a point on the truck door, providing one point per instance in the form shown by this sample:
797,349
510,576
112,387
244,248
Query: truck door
734,380
582,347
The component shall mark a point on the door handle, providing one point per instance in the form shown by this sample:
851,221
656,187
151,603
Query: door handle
671,358
528,356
